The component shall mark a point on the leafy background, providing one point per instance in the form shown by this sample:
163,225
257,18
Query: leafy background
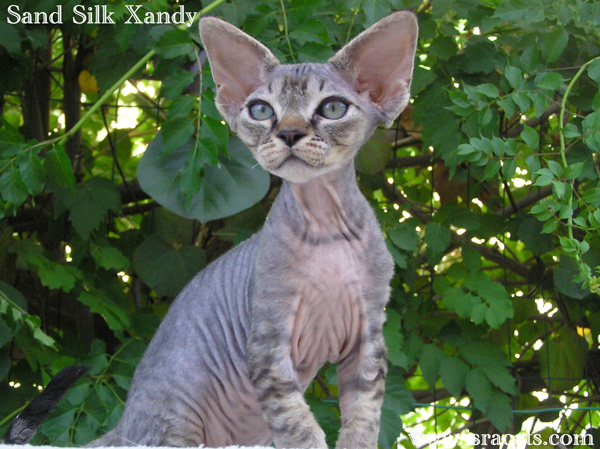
119,181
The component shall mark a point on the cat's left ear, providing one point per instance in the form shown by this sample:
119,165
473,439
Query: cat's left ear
239,63
379,62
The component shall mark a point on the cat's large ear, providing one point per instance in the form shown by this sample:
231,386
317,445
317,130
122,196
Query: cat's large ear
239,63
379,62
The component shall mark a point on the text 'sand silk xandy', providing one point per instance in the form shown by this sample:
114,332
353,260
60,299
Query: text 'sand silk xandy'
239,346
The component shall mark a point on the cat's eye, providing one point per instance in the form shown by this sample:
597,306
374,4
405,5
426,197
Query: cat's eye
333,109
261,110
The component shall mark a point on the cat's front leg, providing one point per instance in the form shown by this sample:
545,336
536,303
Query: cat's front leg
277,386
361,381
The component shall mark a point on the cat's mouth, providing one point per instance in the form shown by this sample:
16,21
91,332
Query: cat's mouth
293,159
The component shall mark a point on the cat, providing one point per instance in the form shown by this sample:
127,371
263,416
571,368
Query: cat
231,360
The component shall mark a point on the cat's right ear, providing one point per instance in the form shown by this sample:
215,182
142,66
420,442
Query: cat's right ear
379,62
239,63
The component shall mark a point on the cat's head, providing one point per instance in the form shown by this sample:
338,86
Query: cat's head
303,120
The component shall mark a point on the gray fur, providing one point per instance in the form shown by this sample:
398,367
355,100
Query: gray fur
238,348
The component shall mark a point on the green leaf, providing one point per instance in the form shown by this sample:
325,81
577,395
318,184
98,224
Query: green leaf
592,196
400,258
522,100
391,426
501,377
405,237
555,167
453,372
375,10
591,130
57,429
33,174
553,44
431,357
530,137
565,284
174,43
593,71
398,400
6,334
465,149
570,131
551,81
58,168
499,306
484,354
176,132
508,105
108,256
530,233
393,339
397,396
499,410
180,107
216,131
375,153
462,302
542,181
549,227
489,90
5,362
42,337
437,238
100,303
12,188
54,275
562,362
513,75
165,268
479,388
491,169
9,37
471,257
174,83
558,189
91,200
171,227
14,295
234,185
459,98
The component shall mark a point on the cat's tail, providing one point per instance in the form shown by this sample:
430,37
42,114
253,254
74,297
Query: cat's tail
26,423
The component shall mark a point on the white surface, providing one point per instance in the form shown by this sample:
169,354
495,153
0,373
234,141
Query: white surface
8,446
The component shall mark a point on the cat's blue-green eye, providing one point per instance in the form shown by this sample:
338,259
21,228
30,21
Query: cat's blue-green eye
333,109
261,111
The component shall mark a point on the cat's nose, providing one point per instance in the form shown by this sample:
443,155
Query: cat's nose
291,136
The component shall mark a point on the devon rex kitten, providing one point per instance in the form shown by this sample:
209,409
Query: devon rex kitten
234,355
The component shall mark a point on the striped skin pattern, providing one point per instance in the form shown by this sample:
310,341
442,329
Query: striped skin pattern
239,346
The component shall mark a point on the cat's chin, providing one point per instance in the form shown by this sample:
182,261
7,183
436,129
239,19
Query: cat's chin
298,171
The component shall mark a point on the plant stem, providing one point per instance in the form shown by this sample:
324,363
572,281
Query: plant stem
12,415
285,30
589,280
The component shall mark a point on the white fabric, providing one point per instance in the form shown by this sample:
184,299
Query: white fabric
27,446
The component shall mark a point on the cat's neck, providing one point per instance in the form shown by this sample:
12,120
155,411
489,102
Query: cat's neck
327,205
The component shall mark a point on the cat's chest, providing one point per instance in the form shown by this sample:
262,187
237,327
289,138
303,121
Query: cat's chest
329,305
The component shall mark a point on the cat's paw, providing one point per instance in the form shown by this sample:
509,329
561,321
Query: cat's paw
305,437
358,436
